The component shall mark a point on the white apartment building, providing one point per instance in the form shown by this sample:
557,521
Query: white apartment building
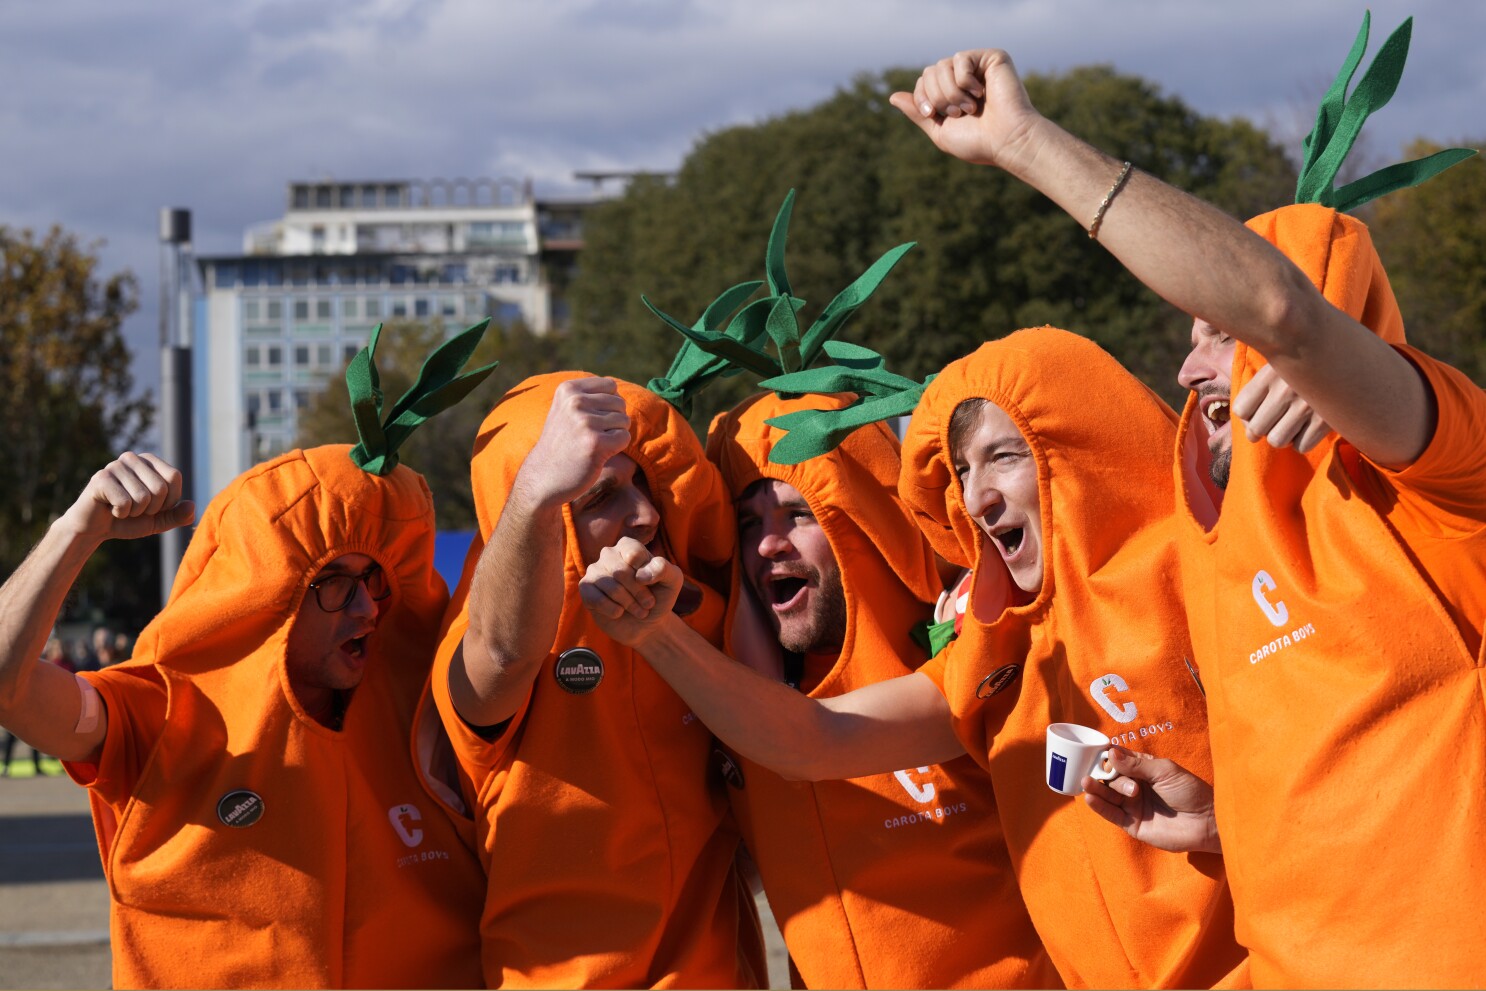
274,324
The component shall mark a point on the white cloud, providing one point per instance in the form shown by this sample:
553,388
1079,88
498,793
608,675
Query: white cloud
111,111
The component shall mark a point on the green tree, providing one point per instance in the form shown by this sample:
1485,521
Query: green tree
992,256
64,367
1434,246
440,449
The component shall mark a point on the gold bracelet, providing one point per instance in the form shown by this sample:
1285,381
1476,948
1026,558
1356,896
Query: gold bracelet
1114,191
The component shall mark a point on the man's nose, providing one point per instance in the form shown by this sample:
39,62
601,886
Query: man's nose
362,603
980,498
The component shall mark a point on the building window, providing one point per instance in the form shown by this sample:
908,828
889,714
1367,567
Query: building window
317,238
301,197
301,399
322,197
348,196
456,275
301,356
373,308
449,306
250,309
507,274
392,196
299,275
275,357
368,196
253,357
275,399
349,351
322,355
226,276
399,308
322,309
255,404
275,309
302,310
420,306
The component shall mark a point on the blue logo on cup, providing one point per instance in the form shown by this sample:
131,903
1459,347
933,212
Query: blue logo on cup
1056,772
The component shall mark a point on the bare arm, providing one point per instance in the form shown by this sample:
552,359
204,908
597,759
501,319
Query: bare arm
516,594
903,722
135,496
1192,254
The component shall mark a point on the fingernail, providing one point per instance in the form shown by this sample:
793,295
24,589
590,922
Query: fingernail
925,109
969,108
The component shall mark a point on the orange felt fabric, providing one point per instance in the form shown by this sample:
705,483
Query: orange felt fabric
604,832
1336,610
873,885
1101,644
325,889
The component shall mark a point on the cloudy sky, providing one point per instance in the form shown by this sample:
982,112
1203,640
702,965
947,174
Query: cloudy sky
111,110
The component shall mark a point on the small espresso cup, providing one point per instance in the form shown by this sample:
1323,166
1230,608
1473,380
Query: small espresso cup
1074,751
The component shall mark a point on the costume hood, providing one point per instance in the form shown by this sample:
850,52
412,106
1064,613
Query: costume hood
888,572
1100,438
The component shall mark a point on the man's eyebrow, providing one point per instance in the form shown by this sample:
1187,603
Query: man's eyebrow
602,485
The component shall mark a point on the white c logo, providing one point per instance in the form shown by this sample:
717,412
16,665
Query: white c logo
1275,611
400,816
1099,689
922,794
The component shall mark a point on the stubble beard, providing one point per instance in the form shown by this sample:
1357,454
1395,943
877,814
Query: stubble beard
823,628
1218,470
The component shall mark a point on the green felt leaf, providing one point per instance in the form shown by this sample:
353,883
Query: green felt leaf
810,437
848,301
438,385
853,355
1330,110
1395,177
784,330
774,255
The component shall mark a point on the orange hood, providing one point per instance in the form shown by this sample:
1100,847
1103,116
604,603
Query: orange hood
695,516
888,572
1100,438
250,562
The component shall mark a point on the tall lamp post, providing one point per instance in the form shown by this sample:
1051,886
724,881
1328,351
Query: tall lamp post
175,373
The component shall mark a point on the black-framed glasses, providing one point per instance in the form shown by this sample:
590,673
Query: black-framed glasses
334,592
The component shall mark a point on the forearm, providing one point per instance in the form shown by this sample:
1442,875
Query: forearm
40,702
1212,267
870,731
1192,254
515,601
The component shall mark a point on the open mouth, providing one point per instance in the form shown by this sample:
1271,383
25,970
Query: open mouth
1216,413
1010,541
785,590
355,647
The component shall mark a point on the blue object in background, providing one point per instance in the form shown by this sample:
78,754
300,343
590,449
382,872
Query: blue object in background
449,550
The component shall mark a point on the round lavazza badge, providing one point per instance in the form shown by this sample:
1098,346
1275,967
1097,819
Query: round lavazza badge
579,670
997,680
240,808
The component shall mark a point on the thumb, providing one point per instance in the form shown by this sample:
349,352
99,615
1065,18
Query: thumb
904,102
181,514
1134,765
658,572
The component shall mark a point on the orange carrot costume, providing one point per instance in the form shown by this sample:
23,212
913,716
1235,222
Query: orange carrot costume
893,880
245,844
1336,610
603,831
1101,644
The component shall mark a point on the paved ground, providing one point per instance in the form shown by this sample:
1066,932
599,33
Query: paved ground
53,901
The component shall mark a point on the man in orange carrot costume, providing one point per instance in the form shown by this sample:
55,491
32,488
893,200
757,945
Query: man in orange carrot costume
603,831
1038,645
1335,595
260,810
893,880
